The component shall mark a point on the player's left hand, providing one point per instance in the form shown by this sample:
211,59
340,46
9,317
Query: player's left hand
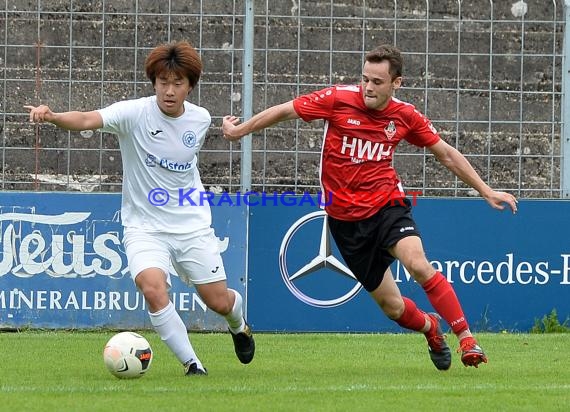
499,200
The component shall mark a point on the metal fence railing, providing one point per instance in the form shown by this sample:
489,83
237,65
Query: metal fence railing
487,73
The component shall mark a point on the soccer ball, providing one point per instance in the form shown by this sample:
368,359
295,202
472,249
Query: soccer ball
127,355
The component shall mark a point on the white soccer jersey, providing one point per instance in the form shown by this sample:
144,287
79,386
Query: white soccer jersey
162,189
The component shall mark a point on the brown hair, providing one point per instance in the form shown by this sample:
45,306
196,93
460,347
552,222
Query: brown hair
389,53
179,58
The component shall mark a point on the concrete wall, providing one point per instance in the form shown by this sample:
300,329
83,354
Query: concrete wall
489,81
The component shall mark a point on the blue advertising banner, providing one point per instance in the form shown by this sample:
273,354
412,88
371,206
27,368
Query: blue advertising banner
62,264
508,270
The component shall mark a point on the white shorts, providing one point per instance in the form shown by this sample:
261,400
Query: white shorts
195,257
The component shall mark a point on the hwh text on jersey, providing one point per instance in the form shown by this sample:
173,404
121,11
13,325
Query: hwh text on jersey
361,150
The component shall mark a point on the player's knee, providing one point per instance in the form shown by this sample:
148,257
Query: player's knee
220,306
217,297
421,270
156,296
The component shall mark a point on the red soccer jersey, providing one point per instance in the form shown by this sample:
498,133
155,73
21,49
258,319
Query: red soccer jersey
357,176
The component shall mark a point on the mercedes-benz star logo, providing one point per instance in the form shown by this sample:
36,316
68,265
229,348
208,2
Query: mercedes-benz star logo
324,259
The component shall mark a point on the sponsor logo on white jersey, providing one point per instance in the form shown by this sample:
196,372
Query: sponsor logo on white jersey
152,161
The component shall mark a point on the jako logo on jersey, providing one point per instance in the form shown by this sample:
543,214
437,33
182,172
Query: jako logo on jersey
407,228
152,161
189,139
353,121
390,130
361,150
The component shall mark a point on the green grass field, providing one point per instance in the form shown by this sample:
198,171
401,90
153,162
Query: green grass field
64,371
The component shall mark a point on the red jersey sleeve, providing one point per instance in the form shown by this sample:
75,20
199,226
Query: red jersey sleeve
422,132
316,105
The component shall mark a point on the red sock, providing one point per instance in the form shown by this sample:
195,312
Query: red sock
412,318
444,300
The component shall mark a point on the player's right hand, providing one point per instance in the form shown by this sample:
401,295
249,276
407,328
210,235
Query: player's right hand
40,113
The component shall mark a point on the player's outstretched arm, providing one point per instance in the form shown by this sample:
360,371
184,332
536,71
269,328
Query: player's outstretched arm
233,130
74,120
451,158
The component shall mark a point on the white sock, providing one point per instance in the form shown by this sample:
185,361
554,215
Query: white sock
171,329
235,319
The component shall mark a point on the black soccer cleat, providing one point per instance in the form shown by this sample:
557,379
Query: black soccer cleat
191,368
439,351
244,344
